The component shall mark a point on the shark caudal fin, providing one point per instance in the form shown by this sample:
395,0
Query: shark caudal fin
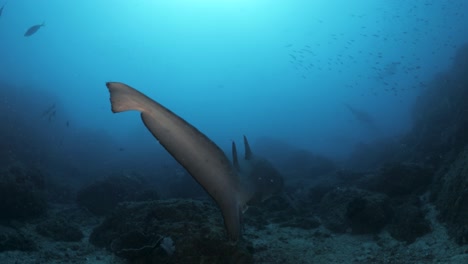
124,99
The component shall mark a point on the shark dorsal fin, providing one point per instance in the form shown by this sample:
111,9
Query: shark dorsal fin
248,151
235,160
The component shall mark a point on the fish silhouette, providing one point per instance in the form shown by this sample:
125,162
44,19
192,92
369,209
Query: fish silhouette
33,29
363,117
1,9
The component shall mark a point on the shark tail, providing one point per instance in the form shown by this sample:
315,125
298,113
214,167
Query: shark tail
124,98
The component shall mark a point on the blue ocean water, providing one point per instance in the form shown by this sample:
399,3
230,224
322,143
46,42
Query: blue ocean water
298,77
279,69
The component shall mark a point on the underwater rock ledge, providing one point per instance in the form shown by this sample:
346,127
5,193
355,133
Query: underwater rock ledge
134,231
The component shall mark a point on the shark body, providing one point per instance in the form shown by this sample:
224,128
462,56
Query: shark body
200,156
264,180
363,117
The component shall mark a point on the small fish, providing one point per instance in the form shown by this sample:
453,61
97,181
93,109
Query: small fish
32,30
48,110
1,9
52,115
68,124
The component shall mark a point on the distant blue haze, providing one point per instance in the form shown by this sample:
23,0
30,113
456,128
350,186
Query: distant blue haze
280,69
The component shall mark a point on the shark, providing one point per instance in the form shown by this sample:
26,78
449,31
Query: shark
363,117
232,186
263,179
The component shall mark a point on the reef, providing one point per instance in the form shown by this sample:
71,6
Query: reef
450,193
102,196
137,231
14,239
22,193
429,159
355,211
439,140
59,229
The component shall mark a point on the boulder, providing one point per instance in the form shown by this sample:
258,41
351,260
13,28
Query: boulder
450,193
354,210
22,193
102,196
58,229
140,231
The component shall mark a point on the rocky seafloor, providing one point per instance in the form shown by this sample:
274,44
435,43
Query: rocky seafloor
132,235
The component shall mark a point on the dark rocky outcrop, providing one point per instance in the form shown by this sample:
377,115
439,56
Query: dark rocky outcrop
12,239
59,229
409,221
373,155
102,196
337,179
451,197
439,139
399,179
440,115
22,193
135,231
431,157
354,210
362,212
283,212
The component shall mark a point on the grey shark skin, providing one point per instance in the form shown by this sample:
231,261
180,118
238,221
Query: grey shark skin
362,117
202,158
264,180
